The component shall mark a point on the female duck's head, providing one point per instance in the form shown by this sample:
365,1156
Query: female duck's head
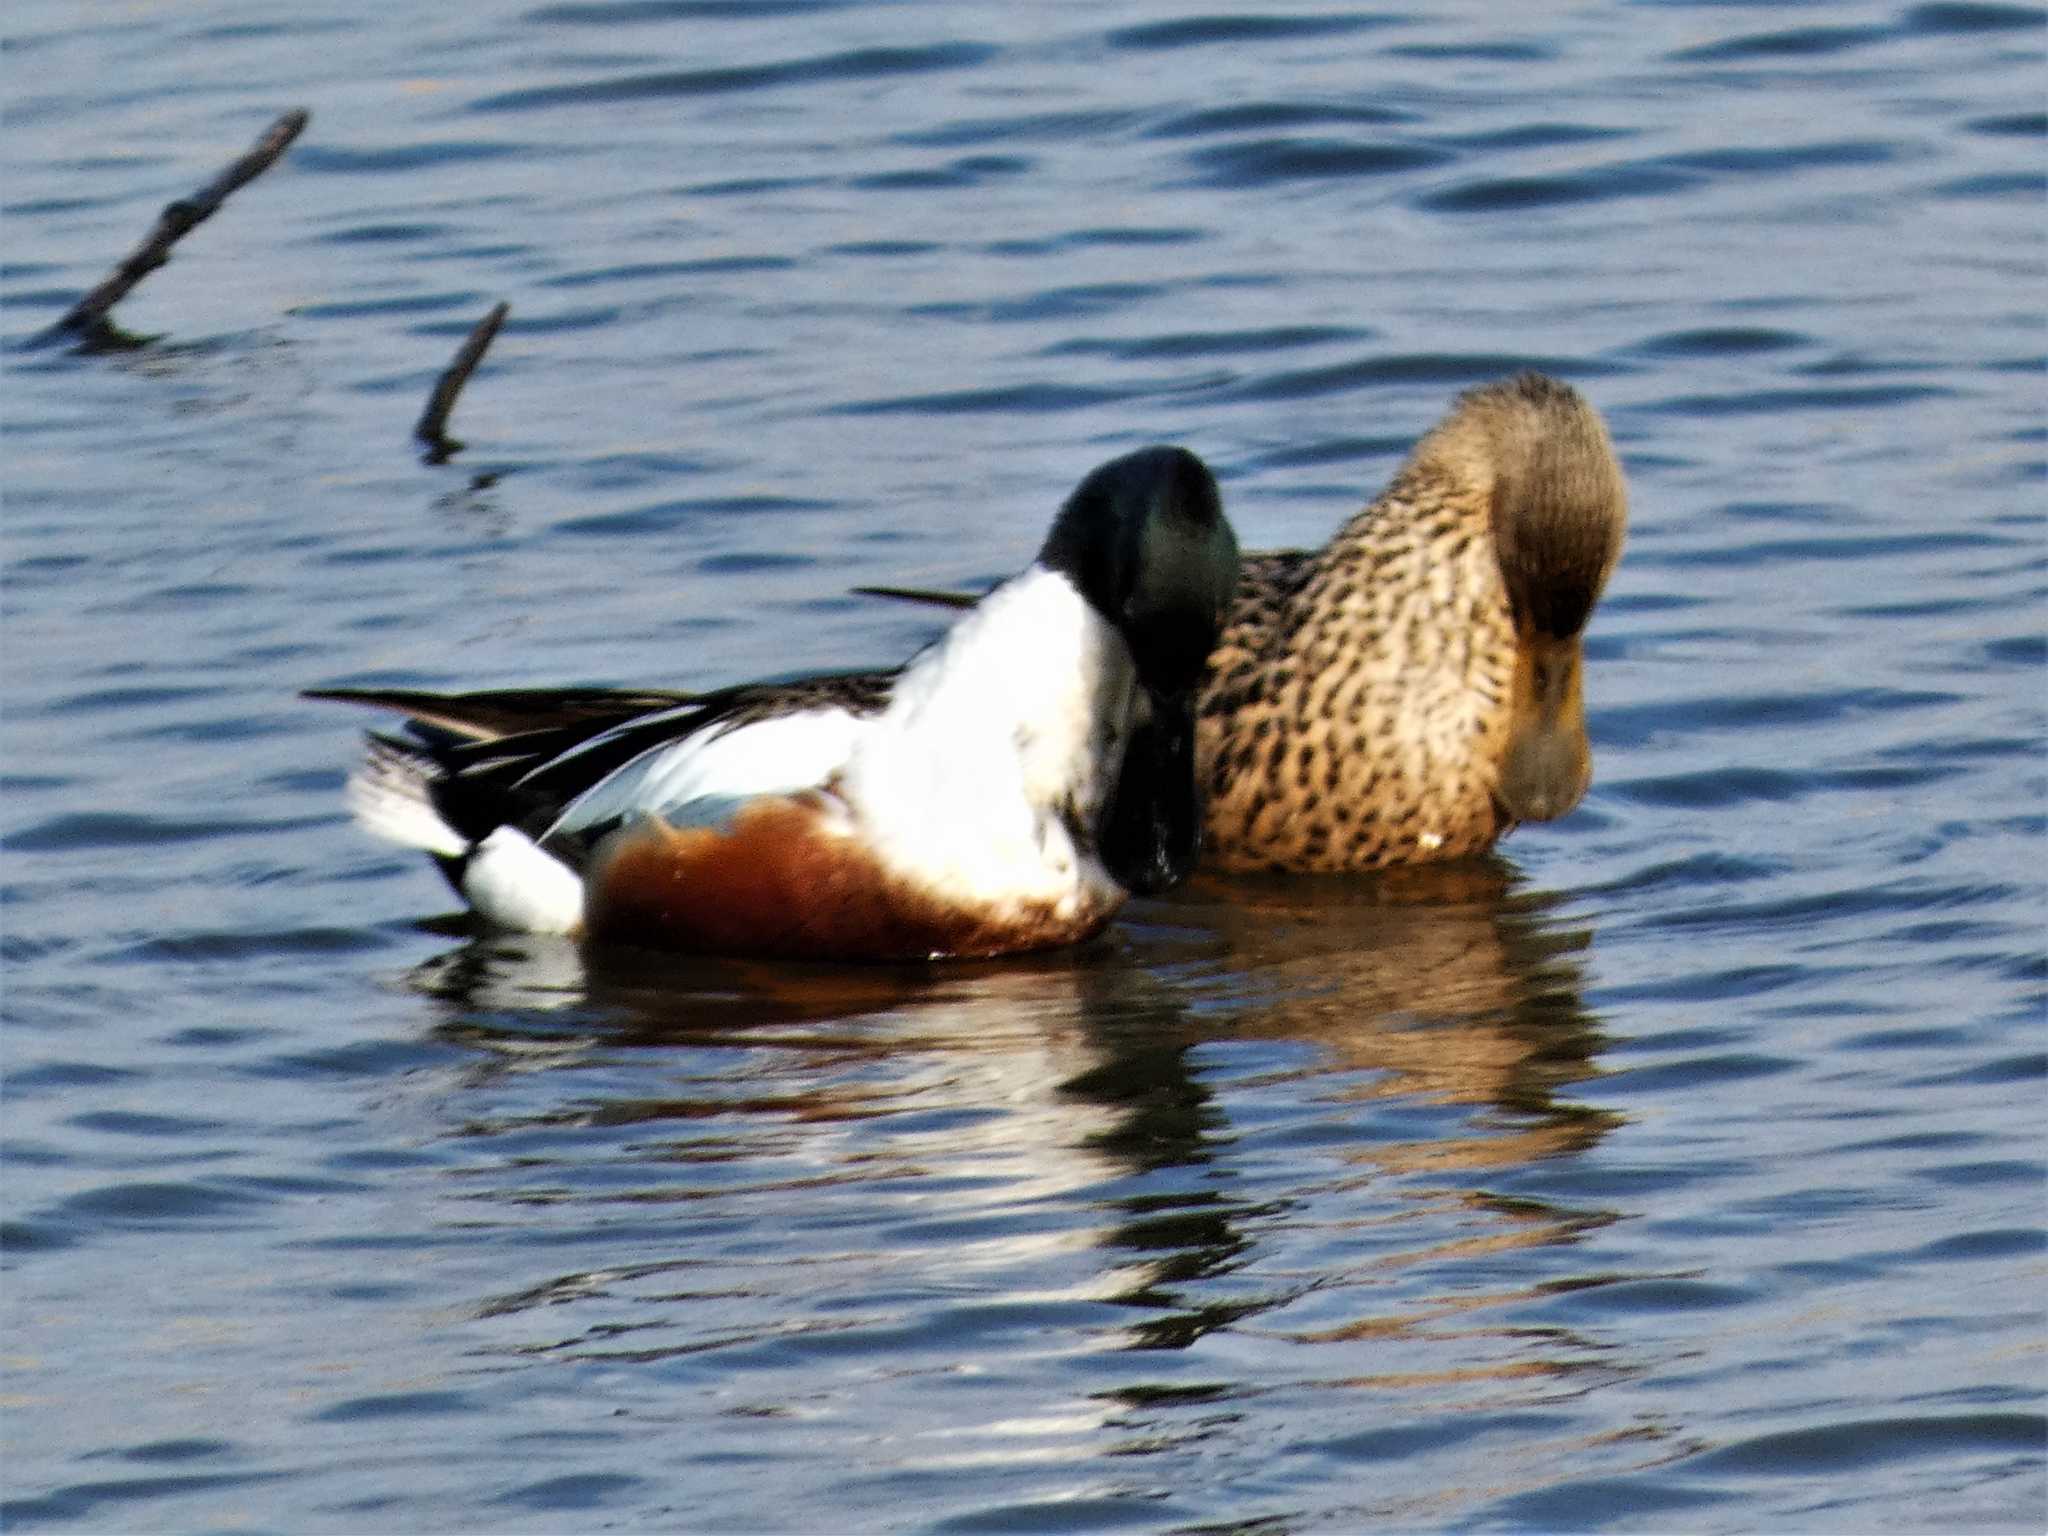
1560,513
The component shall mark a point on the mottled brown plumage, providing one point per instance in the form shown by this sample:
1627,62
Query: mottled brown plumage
1411,690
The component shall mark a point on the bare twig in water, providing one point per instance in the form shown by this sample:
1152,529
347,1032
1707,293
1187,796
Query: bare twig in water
433,423
87,319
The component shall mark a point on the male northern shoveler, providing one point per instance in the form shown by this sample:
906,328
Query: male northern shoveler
1411,691
1004,790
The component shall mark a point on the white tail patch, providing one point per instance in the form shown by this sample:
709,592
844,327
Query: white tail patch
389,797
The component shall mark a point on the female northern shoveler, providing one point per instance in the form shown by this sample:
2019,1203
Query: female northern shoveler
1004,790
1411,691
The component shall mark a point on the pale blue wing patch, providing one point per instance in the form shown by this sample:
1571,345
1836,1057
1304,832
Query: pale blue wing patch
703,779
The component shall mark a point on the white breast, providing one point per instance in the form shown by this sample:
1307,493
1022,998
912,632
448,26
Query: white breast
1011,723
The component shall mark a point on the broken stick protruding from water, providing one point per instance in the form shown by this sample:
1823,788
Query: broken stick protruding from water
87,319
433,423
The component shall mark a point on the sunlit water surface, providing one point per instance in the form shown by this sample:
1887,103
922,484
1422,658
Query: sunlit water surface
1681,1169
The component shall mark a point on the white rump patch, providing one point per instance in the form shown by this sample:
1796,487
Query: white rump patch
511,881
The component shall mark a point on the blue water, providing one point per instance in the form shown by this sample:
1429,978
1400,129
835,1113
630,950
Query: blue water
1681,1168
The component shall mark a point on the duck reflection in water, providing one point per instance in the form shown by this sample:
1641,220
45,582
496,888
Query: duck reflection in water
1248,1061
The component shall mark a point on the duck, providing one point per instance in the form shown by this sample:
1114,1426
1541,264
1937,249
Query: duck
1005,789
1413,690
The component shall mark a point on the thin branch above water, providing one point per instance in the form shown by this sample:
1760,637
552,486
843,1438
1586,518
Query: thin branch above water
432,428
88,318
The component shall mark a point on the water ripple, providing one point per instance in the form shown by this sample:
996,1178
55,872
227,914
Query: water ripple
967,171
1496,194
1205,343
148,1203
1855,1444
665,516
666,85
1203,31
431,155
80,830
1750,162
1087,127
1959,18
77,1501
398,1405
2017,125
1267,117
1791,43
1453,369
1023,399
614,13
1757,402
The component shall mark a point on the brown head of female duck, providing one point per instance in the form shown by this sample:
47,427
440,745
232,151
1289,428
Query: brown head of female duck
1412,690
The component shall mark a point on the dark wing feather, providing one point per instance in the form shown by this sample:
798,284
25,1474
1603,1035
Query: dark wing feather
858,693
566,765
924,595
517,756
511,711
